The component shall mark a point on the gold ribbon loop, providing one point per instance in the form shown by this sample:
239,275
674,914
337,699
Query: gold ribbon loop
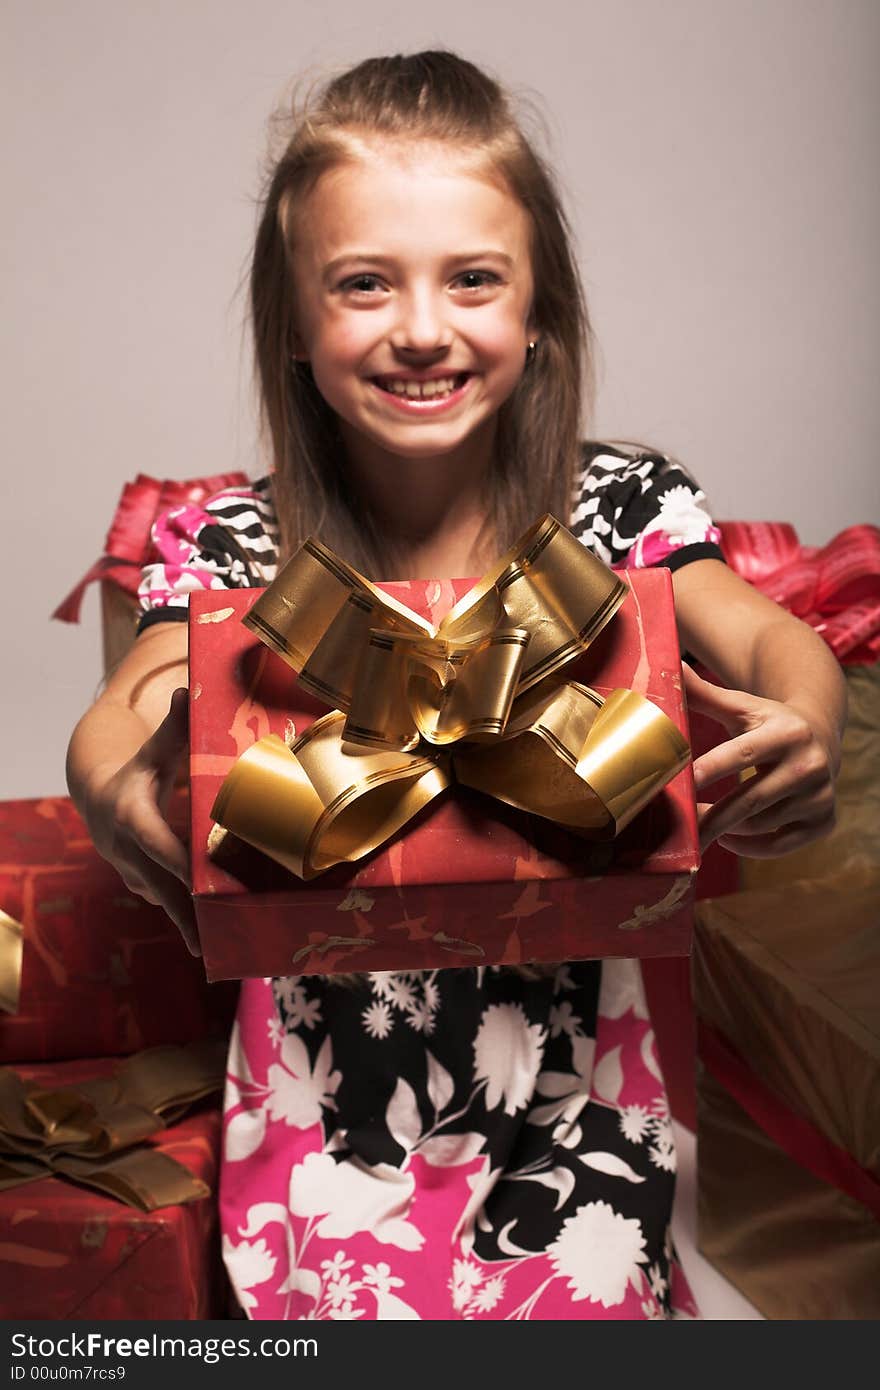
317,615
323,801
11,935
588,764
363,652
435,687
93,1132
406,691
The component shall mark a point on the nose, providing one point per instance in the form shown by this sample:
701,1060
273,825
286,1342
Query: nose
421,328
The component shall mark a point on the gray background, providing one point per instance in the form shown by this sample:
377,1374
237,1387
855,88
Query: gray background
720,158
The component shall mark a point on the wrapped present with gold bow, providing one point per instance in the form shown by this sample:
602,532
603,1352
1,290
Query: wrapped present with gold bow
427,774
87,968
108,1179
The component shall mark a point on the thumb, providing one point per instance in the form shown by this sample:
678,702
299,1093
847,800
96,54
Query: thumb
727,707
163,748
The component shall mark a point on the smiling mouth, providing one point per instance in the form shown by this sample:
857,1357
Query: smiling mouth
439,388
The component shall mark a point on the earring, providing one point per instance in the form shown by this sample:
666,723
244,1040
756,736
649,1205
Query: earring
530,352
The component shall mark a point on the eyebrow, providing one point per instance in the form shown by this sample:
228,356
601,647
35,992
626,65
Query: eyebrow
465,258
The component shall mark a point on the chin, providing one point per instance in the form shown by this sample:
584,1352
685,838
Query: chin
422,444
424,449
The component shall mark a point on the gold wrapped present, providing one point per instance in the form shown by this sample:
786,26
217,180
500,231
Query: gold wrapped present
787,989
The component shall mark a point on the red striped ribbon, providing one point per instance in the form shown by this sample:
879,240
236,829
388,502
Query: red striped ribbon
835,588
795,1135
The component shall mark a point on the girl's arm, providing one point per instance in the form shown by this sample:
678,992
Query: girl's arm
785,710
121,764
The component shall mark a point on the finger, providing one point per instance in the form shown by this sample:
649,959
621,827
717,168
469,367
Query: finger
135,884
730,758
179,906
728,707
141,829
165,891
748,799
779,737
146,880
790,810
774,845
157,841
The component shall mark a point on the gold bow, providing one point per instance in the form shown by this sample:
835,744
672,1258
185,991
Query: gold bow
11,935
92,1132
405,692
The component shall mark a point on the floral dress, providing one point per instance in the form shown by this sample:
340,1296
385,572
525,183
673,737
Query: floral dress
468,1143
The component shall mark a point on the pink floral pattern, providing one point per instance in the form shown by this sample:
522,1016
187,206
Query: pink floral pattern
538,1185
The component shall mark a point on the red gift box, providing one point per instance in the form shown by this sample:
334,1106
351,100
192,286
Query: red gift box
469,881
127,548
67,1252
103,972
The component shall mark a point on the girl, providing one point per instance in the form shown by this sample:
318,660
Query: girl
454,1143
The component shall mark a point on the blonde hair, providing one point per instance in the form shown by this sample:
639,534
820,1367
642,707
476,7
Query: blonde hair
434,96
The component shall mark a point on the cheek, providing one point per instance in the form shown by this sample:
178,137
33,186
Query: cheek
503,351
340,343
502,335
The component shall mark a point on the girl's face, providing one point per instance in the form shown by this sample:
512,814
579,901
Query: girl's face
414,290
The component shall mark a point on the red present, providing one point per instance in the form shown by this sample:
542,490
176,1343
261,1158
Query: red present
67,1252
469,881
103,973
835,588
127,548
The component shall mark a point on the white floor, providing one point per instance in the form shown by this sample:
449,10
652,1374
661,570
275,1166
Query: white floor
716,1298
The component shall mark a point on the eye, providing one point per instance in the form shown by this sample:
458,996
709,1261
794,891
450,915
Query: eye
477,279
361,284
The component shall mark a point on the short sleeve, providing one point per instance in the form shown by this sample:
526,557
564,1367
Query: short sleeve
229,541
640,509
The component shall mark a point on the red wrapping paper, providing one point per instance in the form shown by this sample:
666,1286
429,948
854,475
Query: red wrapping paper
668,981
103,973
66,1252
470,881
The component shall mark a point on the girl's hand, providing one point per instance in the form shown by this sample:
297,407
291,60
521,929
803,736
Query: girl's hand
790,799
125,818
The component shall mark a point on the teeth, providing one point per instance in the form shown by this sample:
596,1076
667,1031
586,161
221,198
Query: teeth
420,390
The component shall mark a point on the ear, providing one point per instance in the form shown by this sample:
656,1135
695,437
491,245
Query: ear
299,353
